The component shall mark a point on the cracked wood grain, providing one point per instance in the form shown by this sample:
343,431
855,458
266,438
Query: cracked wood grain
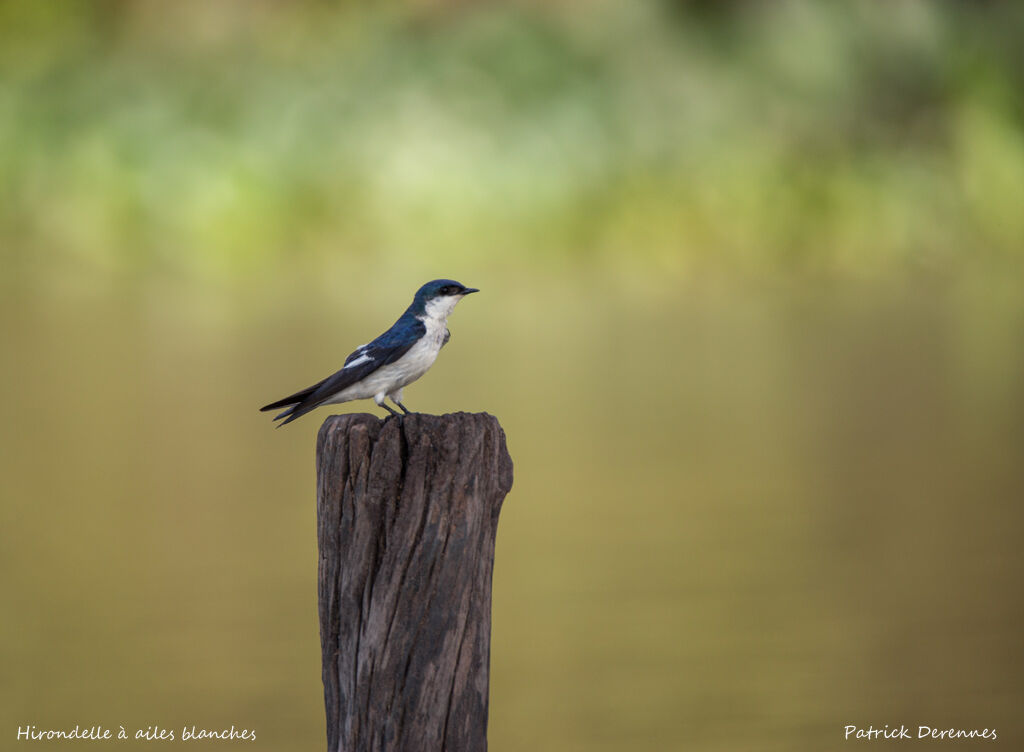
407,512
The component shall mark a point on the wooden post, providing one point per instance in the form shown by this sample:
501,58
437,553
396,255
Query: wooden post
407,511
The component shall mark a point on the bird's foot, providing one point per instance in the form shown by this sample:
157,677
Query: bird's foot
393,413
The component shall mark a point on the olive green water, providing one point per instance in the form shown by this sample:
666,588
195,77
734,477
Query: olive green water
737,522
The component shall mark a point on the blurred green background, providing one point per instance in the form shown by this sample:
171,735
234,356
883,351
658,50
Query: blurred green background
752,317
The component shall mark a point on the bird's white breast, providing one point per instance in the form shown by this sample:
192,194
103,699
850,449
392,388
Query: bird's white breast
413,364
421,356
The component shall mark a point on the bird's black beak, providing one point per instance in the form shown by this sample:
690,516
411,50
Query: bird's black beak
468,290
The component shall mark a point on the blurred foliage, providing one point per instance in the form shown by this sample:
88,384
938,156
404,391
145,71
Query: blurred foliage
213,139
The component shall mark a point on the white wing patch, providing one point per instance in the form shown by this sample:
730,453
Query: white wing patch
364,358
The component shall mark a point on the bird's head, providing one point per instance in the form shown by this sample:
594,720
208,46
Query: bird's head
437,298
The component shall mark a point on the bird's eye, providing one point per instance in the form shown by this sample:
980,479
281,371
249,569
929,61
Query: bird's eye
448,290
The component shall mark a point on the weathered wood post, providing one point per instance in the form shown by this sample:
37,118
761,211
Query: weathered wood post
407,512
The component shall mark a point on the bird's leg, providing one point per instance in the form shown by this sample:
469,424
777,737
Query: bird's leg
396,397
380,403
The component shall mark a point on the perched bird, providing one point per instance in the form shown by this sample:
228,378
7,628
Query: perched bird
395,359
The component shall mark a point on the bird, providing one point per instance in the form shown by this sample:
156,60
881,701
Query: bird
382,368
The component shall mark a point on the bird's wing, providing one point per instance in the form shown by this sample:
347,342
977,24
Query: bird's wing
447,336
363,361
